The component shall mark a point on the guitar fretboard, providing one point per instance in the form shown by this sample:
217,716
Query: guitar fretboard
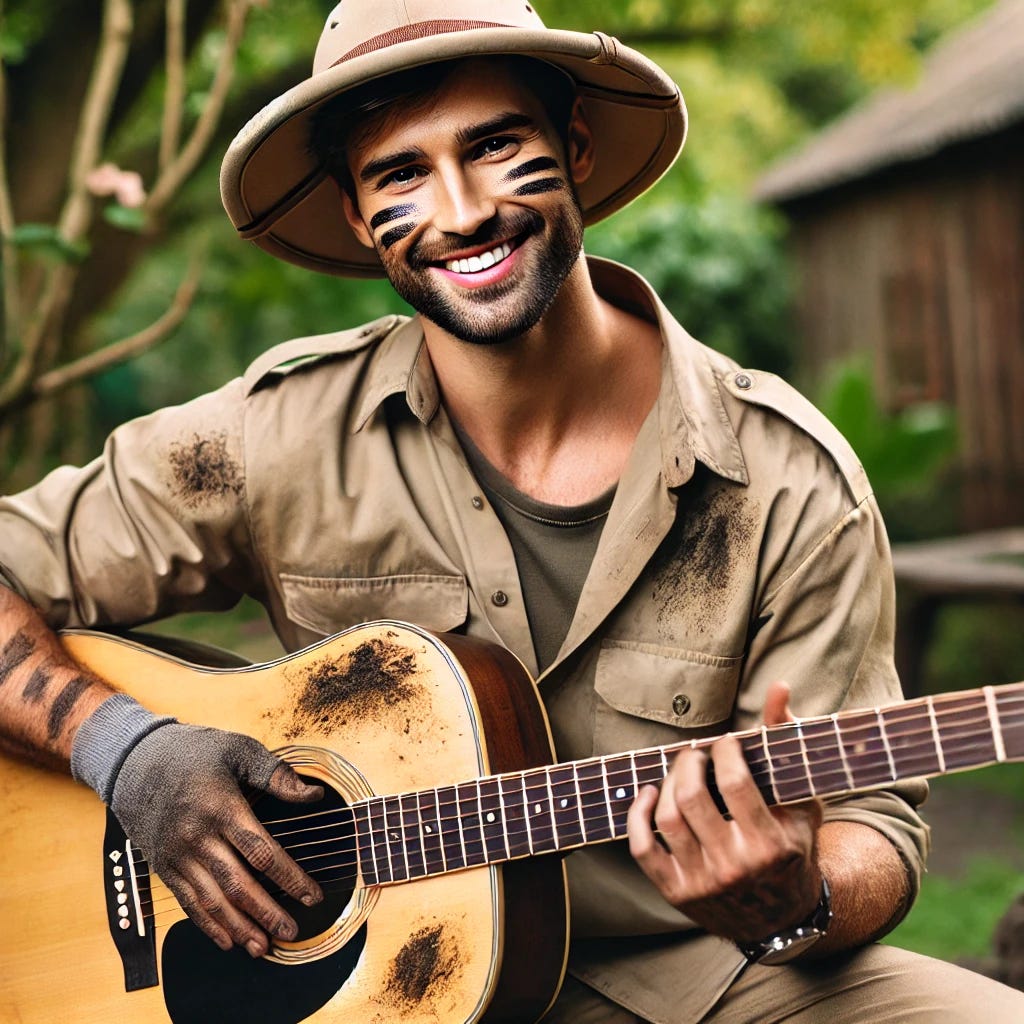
564,806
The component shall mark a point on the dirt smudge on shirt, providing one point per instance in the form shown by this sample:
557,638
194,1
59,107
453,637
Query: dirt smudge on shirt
365,683
203,469
424,965
697,562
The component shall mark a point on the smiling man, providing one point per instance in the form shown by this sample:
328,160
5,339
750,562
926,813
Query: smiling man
541,457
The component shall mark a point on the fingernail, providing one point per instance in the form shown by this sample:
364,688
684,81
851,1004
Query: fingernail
309,900
287,931
255,949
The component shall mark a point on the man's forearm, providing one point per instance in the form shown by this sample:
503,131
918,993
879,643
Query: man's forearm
44,695
868,881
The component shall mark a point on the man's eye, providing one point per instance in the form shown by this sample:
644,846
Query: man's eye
403,176
494,146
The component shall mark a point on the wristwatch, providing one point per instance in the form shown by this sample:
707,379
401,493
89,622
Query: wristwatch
789,944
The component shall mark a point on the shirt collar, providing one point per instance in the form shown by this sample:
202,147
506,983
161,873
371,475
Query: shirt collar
694,426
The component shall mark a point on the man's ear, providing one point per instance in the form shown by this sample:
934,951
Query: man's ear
581,144
355,219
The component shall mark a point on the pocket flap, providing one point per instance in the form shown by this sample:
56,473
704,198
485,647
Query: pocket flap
686,689
329,604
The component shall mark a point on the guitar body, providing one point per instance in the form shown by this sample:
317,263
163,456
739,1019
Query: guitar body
382,708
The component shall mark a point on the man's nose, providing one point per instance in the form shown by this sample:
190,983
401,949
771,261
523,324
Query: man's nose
463,204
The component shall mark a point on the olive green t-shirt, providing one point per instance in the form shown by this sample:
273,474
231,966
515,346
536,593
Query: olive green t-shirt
554,547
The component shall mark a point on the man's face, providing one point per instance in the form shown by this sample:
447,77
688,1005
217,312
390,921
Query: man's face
470,204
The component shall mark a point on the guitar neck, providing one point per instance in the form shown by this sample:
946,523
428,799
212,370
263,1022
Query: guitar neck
564,806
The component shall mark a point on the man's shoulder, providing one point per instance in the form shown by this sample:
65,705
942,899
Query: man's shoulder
281,361
781,401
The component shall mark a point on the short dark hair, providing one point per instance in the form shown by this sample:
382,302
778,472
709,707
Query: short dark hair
339,119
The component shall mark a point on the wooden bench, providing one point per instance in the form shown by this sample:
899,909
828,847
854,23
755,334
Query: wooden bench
986,566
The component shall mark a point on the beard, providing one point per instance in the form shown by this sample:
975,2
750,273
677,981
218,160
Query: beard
494,313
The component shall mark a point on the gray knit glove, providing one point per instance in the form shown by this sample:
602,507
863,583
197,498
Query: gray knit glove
178,792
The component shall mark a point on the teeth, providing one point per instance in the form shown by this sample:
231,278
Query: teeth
475,264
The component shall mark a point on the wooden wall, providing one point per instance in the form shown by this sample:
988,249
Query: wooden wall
924,269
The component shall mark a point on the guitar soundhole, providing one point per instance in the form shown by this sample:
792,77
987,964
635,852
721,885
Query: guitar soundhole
320,838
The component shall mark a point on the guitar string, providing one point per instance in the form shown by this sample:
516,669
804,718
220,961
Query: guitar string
799,774
589,819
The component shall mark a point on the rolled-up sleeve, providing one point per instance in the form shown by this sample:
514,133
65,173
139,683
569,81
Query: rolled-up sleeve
157,524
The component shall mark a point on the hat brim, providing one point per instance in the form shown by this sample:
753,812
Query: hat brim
277,196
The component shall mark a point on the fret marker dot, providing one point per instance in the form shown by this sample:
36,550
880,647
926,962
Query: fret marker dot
565,803
536,808
490,815
620,793
428,828
394,836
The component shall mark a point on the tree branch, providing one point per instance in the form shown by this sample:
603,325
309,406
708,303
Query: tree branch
173,176
174,94
8,251
127,348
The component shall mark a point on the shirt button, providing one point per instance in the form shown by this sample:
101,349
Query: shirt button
744,381
680,704
499,598
477,502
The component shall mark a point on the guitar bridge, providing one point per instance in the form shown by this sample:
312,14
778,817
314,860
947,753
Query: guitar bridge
126,891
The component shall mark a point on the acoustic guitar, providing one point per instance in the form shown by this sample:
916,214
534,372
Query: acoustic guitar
441,798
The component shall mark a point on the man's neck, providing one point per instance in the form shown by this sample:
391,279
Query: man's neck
557,409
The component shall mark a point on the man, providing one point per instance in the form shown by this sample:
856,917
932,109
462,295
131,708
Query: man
542,457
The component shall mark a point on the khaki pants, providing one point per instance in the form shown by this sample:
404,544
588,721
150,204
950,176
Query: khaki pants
874,985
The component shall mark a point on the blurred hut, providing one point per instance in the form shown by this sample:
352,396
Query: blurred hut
908,233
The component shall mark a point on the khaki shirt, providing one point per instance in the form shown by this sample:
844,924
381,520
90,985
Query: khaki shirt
743,546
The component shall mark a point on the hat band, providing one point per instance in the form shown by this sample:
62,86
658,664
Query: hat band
417,30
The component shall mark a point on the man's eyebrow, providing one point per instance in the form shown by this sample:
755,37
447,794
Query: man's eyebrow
388,163
494,126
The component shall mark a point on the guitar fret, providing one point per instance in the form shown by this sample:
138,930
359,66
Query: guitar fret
551,806
885,741
379,834
595,814
1011,722
526,815
440,829
798,727
935,735
771,766
452,842
842,752
993,717
621,791
412,836
579,802
608,802
430,832
395,839
364,851
492,823
467,802
788,764
648,767
539,813
964,730
824,755
513,810
911,744
565,805
864,748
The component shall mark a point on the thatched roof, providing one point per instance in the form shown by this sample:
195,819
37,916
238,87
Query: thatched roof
972,85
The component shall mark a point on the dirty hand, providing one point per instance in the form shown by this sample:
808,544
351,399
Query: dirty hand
178,792
744,877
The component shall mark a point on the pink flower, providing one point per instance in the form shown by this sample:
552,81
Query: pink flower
125,186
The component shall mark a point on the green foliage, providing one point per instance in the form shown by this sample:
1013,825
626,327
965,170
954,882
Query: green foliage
718,267
46,241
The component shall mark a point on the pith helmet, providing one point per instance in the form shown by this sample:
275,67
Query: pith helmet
278,197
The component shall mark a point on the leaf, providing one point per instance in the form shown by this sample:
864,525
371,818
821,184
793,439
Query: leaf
127,218
45,240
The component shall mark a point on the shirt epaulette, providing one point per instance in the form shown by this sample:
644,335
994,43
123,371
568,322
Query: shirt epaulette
290,356
770,392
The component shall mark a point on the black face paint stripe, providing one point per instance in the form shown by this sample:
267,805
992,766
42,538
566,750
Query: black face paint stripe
390,214
15,651
63,705
36,686
535,188
540,163
389,238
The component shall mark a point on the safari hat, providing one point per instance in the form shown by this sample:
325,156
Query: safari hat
278,197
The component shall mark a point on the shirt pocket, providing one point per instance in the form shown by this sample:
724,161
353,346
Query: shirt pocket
649,695
329,604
